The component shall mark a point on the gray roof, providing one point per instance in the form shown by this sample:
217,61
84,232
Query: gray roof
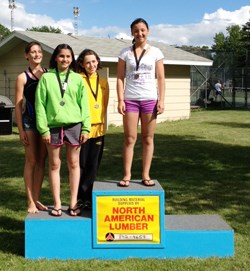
107,48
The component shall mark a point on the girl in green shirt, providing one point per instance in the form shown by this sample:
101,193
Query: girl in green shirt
63,117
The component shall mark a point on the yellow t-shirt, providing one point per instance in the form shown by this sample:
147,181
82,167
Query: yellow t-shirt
98,103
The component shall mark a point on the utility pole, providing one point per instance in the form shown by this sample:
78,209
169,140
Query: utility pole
76,13
12,6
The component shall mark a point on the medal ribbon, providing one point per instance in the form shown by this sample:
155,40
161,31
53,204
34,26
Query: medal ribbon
137,61
95,94
33,74
64,86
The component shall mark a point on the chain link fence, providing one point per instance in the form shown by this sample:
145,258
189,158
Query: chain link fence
234,79
235,82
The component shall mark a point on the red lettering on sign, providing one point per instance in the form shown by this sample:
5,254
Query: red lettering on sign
128,210
128,226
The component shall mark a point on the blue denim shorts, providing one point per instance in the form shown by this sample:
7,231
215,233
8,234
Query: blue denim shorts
29,123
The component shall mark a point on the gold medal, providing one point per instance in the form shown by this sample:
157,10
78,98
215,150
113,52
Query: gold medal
95,94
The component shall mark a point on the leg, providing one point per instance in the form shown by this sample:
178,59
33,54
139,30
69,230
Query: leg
74,176
83,168
41,154
54,176
92,165
29,166
148,123
130,124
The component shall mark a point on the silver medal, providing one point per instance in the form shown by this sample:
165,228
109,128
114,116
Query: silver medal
136,76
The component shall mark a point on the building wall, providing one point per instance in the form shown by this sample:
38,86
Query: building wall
177,96
11,65
177,99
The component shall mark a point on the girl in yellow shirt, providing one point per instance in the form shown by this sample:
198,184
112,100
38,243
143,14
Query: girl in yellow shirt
87,64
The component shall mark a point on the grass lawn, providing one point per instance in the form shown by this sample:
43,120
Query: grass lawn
202,163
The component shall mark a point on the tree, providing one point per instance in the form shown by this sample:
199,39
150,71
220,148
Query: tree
235,44
4,32
229,48
219,41
245,35
45,28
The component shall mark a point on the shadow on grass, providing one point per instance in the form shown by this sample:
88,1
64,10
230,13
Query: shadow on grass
197,176
12,236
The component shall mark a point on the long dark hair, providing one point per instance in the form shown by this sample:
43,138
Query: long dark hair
53,63
80,60
137,21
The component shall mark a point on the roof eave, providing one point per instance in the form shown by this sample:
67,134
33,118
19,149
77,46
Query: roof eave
188,63
167,62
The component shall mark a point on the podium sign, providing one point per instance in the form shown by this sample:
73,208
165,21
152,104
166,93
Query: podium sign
128,218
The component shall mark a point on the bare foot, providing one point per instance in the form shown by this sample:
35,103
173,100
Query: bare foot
32,209
40,206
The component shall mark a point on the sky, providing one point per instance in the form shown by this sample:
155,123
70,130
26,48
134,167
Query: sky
174,22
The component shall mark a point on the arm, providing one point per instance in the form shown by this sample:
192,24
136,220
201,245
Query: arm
160,74
121,69
40,106
19,88
85,111
106,100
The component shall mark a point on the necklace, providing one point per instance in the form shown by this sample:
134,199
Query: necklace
33,74
64,85
137,61
95,94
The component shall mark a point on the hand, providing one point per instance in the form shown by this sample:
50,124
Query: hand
121,107
160,107
46,139
24,138
83,138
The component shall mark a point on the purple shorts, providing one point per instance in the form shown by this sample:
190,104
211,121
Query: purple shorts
67,134
147,106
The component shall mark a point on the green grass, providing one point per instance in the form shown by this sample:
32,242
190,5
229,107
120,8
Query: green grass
203,164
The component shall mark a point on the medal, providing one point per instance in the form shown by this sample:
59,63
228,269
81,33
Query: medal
62,86
137,61
136,76
95,94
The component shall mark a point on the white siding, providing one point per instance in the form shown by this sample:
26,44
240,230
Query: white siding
177,99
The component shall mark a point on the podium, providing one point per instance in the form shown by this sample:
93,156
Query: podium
126,222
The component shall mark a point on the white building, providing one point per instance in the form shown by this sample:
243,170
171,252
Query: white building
177,67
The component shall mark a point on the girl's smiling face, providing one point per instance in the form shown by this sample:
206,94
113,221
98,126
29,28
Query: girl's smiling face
140,32
63,59
35,54
90,64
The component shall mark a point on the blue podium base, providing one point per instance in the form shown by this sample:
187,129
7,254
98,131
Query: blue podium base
69,237
180,236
